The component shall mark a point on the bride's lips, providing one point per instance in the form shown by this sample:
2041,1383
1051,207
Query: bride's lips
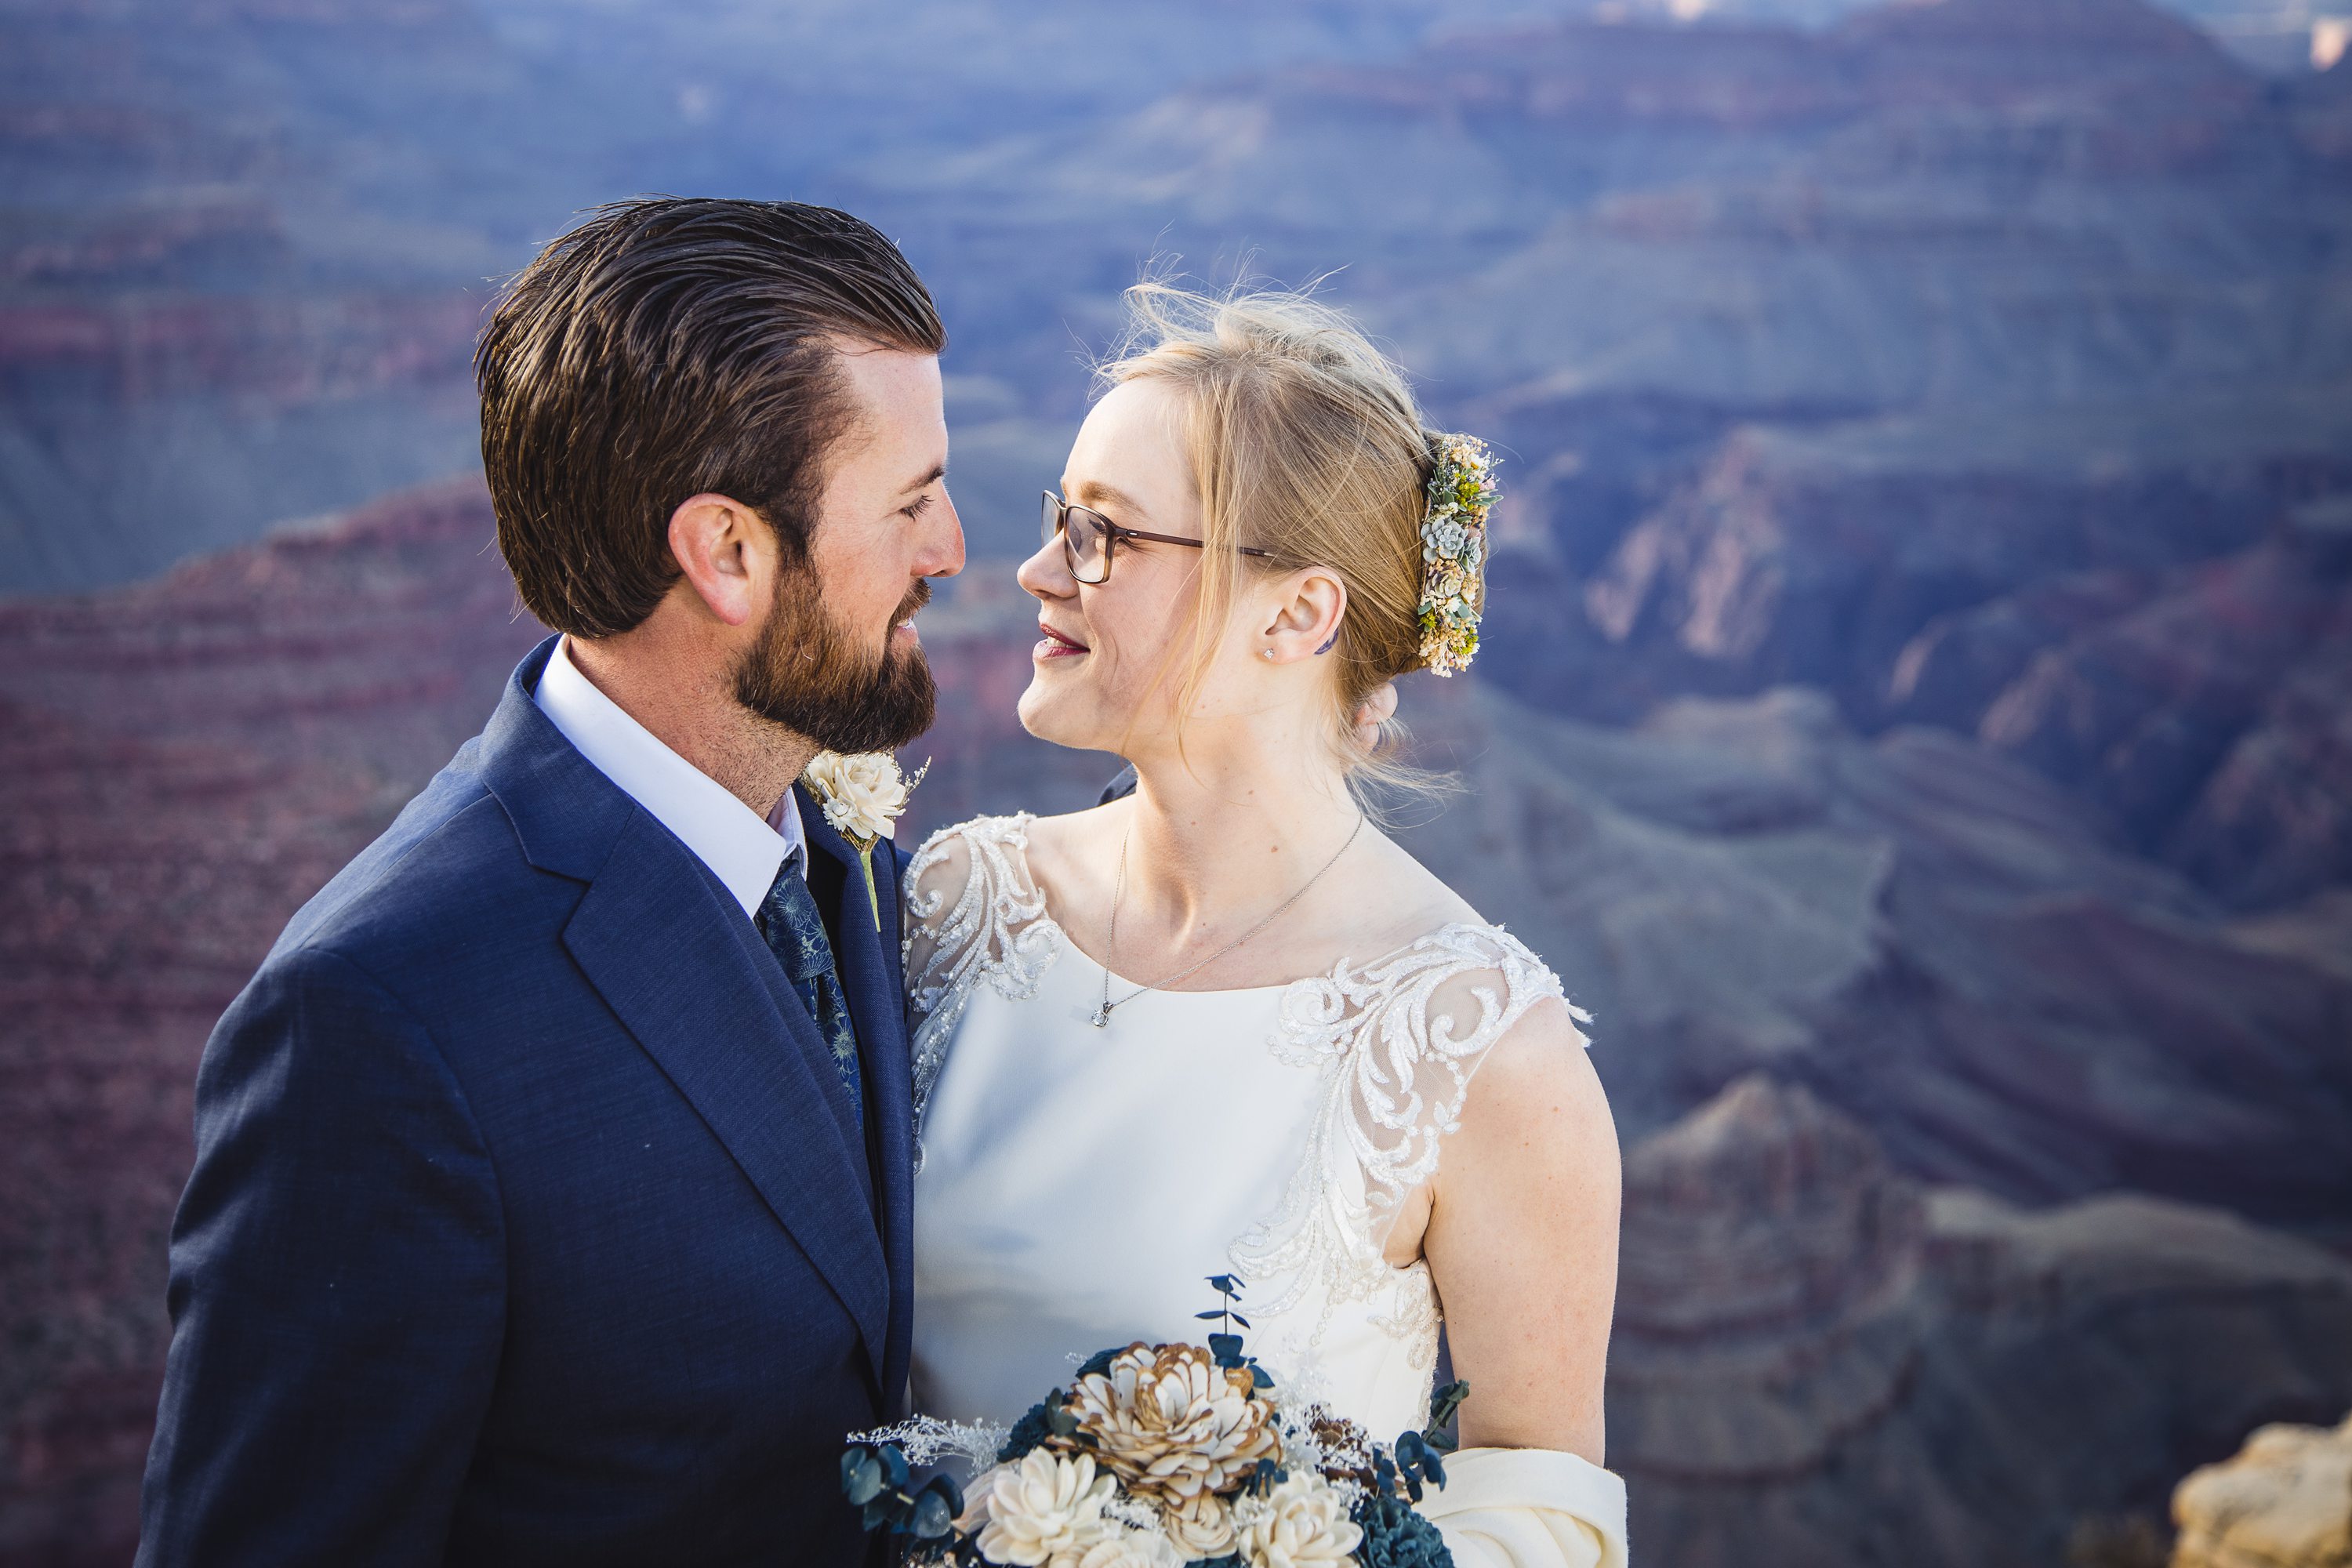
1056,646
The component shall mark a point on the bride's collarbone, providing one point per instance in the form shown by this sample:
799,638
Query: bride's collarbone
1369,906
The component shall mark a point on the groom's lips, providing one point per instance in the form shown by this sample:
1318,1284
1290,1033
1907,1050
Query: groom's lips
1056,646
902,624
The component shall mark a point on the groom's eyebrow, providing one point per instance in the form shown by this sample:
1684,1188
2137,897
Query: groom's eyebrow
939,472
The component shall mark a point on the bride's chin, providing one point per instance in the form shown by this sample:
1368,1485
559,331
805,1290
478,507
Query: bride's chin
1065,719
1035,710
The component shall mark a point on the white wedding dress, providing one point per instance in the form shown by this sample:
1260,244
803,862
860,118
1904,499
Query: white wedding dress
1079,1186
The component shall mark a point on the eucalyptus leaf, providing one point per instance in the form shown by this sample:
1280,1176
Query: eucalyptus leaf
931,1517
1444,1403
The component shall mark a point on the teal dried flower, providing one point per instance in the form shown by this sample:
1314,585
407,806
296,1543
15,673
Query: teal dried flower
1397,1537
1030,1432
1047,1419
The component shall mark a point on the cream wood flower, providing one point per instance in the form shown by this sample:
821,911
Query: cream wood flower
1044,1512
1170,1422
975,1499
1303,1525
863,795
1202,1524
1134,1549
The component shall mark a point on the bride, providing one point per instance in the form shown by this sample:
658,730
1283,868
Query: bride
1226,1025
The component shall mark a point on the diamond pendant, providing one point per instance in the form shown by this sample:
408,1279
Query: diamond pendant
1102,1017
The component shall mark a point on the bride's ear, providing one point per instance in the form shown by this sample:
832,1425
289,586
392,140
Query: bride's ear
1308,607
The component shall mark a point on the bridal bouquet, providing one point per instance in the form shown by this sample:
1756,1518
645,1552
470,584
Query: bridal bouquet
1160,1457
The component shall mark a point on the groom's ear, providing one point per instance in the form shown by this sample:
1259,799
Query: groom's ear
726,556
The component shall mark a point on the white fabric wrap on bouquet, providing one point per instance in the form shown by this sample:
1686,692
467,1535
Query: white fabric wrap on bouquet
1528,1508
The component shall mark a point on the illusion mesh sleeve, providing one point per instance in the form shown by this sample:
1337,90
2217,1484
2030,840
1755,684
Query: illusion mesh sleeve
973,915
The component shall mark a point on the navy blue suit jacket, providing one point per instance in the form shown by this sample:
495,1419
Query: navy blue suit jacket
528,1223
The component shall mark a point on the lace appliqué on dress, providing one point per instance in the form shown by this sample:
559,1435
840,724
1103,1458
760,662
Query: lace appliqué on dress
995,929
1395,1063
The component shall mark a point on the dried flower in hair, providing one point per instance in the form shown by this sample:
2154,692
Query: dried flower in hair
1453,550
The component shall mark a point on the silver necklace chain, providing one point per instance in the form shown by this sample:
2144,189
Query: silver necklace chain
1101,1020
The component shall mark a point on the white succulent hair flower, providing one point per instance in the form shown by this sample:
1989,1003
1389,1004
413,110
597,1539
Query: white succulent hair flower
863,795
1303,1523
1045,1512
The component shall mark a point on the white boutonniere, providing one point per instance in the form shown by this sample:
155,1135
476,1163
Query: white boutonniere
863,797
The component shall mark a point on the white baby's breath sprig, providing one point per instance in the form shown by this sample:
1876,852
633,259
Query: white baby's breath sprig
927,1439
1453,550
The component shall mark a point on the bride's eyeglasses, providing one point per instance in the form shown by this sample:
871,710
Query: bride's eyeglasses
1090,539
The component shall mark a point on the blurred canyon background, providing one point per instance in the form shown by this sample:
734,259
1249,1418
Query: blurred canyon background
1916,715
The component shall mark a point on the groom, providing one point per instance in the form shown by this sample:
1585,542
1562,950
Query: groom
551,1195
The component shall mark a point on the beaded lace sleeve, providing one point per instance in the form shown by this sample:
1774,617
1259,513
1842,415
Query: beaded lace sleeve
1395,1044
973,916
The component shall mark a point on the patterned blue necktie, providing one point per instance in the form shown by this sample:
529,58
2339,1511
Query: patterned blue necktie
794,932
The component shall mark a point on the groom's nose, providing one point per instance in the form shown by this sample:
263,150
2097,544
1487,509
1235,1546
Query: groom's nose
941,553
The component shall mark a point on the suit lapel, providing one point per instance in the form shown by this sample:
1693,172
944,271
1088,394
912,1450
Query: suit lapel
871,979
674,958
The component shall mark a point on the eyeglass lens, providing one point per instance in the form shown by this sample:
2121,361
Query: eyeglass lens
1084,540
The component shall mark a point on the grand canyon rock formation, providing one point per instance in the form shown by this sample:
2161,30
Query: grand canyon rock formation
1916,717
1925,931
181,765
1818,1361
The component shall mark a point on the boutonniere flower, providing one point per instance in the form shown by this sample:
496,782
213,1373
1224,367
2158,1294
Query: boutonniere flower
863,797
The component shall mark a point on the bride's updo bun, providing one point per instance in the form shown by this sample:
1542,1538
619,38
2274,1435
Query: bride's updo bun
1305,441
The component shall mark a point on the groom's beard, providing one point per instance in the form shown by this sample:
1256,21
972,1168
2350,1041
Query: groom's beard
809,675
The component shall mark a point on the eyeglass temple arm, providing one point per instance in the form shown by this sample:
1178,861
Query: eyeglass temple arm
1125,533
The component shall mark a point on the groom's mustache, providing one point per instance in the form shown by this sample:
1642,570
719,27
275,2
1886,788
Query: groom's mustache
916,597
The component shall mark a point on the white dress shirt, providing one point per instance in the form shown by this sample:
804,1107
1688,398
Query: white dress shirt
742,850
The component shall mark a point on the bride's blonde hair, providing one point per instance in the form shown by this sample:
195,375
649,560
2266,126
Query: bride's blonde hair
1303,441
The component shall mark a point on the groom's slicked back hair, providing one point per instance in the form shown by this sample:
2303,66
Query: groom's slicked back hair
666,348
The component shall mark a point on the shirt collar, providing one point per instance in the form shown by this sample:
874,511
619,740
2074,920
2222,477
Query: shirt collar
743,851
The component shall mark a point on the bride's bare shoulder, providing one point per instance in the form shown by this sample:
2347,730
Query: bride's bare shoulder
1062,850
1413,899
